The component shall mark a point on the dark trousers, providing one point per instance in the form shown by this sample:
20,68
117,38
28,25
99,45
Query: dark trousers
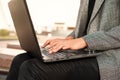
25,67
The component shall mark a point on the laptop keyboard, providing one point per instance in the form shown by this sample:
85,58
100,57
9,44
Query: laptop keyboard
60,54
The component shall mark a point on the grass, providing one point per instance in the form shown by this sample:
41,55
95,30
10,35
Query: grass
8,37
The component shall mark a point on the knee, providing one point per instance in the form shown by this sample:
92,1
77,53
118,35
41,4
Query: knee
20,58
25,71
26,67
17,58
29,70
30,66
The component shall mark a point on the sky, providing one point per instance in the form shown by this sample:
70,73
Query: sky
47,12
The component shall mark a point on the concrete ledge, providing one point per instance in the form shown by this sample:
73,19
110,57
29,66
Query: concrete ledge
5,61
14,45
4,70
6,57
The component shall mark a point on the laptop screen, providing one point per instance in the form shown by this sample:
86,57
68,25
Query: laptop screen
24,27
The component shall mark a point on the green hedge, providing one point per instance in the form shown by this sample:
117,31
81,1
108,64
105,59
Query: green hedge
4,32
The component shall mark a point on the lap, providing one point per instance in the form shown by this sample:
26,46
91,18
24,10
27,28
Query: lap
83,69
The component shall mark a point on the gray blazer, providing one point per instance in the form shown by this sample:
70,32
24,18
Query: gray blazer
103,34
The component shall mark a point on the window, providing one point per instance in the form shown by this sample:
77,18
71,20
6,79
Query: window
50,18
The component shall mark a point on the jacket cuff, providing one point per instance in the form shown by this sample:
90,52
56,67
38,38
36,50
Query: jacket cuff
93,41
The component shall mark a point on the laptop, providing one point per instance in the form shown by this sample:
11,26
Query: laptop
28,40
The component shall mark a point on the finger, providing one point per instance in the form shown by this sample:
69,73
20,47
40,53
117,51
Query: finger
51,45
54,42
56,48
46,43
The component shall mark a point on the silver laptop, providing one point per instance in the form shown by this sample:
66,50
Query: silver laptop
28,40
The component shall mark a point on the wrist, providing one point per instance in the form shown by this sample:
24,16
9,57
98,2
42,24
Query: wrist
83,42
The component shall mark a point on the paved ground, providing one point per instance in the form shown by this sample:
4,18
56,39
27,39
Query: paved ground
3,77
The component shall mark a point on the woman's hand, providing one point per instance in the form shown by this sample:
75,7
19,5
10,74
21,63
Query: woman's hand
55,45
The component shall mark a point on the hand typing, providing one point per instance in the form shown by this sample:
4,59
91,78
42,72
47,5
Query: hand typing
55,45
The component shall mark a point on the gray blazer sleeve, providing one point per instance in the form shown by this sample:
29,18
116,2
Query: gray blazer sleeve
104,40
